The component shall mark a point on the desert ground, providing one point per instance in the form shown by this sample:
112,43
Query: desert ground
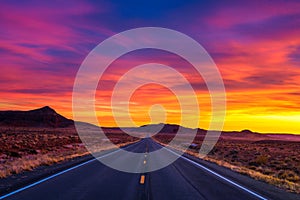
267,157
25,148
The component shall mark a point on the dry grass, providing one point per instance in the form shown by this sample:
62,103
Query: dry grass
275,162
23,149
29,162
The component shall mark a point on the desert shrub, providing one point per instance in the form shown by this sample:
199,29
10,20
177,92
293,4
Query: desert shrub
14,154
252,167
261,160
268,172
288,175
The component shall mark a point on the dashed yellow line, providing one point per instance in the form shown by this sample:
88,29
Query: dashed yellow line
142,179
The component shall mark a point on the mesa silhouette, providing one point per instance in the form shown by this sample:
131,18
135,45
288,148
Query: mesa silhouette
41,117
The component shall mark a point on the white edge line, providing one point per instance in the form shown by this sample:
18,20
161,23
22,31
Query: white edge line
55,175
218,175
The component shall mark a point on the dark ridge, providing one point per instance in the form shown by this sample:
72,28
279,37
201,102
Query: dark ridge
169,128
41,117
246,131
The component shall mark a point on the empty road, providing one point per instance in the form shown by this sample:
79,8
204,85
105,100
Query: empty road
186,178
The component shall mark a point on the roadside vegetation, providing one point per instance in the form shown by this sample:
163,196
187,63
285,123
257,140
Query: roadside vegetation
276,162
24,149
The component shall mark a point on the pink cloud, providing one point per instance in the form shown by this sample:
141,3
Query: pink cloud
229,15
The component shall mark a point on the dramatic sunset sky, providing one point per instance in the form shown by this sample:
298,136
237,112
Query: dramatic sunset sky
255,45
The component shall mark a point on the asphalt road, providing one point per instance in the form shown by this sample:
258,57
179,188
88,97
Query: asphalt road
186,178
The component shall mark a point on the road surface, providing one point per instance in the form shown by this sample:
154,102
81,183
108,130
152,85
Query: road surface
186,178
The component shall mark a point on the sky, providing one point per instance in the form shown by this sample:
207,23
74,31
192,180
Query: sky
255,45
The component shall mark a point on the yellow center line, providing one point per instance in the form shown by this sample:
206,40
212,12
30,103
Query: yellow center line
142,180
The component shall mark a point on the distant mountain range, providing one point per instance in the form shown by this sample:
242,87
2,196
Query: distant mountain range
42,117
48,117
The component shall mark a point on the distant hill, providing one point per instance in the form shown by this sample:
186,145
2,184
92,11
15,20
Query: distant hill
168,128
42,117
